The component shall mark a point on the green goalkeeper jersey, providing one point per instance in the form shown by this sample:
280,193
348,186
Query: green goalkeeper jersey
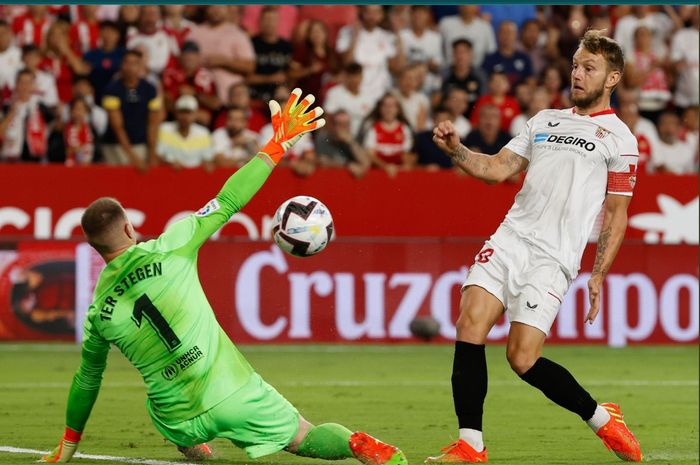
149,303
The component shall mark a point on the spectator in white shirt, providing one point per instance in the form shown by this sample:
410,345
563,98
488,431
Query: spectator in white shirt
10,57
152,38
644,130
234,144
45,82
422,45
415,104
674,155
373,48
468,25
660,24
348,96
456,102
690,130
97,116
538,102
183,143
685,52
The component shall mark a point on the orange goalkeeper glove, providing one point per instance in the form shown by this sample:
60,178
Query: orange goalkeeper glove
65,449
292,122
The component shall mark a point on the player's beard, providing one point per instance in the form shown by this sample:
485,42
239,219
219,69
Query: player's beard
587,100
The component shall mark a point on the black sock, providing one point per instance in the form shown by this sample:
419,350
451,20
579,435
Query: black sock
469,384
560,387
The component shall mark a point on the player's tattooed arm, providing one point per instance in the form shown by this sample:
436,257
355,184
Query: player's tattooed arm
603,243
489,168
473,163
612,232
610,238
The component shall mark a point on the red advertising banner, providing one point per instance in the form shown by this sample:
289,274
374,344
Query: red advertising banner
370,291
45,202
357,290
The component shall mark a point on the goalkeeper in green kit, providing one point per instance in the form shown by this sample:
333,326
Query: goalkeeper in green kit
149,303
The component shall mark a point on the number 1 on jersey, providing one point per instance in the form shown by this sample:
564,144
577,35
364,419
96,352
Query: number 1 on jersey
144,307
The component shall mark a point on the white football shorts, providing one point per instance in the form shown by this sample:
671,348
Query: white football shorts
529,283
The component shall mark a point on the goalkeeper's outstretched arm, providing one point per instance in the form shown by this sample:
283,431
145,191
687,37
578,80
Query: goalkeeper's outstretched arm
289,125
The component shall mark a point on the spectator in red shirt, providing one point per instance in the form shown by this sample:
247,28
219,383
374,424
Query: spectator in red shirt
552,81
175,24
77,135
333,16
314,60
160,48
61,61
85,32
647,71
498,96
389,139
239,97
32,27
186,76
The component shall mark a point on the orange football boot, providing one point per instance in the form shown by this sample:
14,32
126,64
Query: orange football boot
371,451
459,452
197,453
617,437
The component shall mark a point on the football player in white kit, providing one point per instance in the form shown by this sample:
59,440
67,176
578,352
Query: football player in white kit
577,160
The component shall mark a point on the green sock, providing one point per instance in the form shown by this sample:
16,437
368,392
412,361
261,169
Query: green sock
329,441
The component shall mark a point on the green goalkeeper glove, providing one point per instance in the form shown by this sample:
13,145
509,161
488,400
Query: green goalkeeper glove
65,449
291,123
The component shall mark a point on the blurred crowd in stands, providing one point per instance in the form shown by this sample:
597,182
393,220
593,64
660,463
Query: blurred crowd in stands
188,85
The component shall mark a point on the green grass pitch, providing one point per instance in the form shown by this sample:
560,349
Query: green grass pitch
398,393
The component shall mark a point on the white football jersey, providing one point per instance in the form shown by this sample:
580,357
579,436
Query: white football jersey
574,161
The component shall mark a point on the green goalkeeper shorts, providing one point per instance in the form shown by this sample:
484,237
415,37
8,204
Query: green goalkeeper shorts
255,418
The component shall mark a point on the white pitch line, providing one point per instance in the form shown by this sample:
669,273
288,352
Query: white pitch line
109,458
287,349
354,383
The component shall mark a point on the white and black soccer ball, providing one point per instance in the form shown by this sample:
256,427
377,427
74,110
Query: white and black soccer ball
302,226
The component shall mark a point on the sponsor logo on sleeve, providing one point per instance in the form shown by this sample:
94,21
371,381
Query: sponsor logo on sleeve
209,208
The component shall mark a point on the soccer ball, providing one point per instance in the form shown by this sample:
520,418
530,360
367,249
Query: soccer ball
302,226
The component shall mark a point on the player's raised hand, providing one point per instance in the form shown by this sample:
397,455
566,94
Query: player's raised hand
594,286
291,122
445,137
65,449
